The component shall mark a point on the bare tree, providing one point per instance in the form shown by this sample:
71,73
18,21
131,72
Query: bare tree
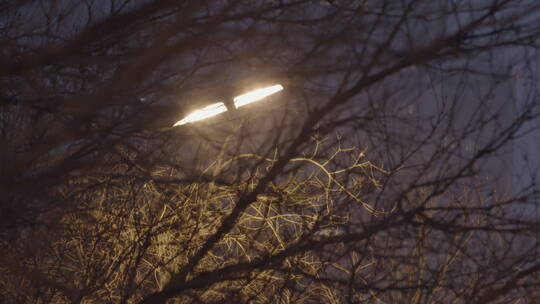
388,170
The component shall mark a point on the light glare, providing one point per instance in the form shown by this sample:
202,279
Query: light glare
206,112
256,95
239,101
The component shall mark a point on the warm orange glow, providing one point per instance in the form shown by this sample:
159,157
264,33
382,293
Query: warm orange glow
256,95
206,112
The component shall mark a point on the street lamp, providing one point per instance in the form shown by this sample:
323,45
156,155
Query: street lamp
256,95
239,101
206,112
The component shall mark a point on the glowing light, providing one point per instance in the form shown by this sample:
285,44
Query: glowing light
256,95
206,112
239,101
